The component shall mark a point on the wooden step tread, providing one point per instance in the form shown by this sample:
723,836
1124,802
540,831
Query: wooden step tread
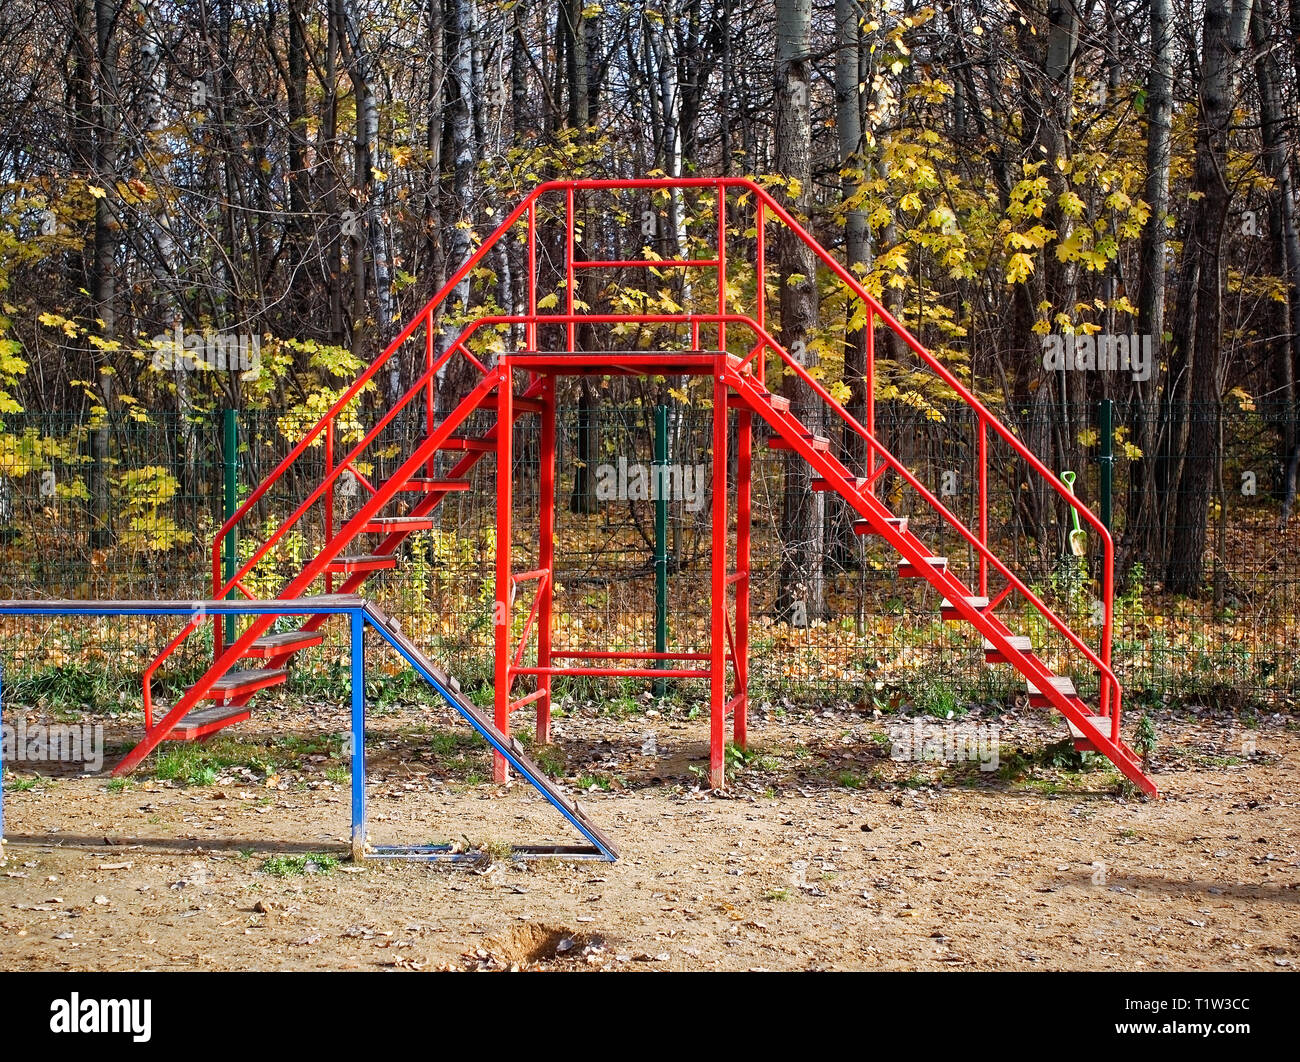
1020,642
1062,683
818,442
287,642
867,527
387,524
948,611
518,403
474,445
365,562
1100,723
427,485
907,568
777,402
199,722
253,678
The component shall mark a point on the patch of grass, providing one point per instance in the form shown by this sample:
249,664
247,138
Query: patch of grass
1012,766
450,742
938,699
70,685
401,687
496,851
1062,755
737,760
200,764
119,785
1126,789
550,758
1147,737
849,780
338,775
21,785
603,782
777,895
288,866
619,706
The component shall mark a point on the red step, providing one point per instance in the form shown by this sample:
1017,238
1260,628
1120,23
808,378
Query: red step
281,644
1101,723
431,485
781,405
470,445
868,527
386,525
906,569
1063,683
235,684
200,722
818,442
519,403
369,562
825,484
948,612
993,655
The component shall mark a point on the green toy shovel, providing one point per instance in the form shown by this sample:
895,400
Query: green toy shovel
1078,537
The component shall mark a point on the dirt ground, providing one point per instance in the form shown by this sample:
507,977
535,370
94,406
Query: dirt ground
826,853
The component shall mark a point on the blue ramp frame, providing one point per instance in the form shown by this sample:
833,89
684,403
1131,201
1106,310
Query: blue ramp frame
360,616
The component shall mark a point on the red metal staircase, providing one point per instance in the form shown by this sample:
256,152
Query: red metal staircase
744,211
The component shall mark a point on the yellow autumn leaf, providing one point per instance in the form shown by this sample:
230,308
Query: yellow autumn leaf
1019,268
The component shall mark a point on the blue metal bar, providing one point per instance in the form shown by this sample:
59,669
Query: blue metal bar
302,606
357,622
500,746
359,615
2,766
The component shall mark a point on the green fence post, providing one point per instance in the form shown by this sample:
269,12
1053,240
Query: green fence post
661,539
1106,458
230,459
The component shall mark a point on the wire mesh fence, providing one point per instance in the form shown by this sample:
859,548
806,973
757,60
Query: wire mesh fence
128,508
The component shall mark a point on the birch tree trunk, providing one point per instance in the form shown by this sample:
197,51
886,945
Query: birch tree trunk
800,592
1153,251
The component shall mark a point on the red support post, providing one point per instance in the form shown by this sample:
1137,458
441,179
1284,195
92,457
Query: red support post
505,590
722,266
431,395
530,329
546,556
718,587
869,386
744,520
983,503
571,273
760,285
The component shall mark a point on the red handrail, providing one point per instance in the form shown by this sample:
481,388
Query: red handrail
424,315
986,418
1103,667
